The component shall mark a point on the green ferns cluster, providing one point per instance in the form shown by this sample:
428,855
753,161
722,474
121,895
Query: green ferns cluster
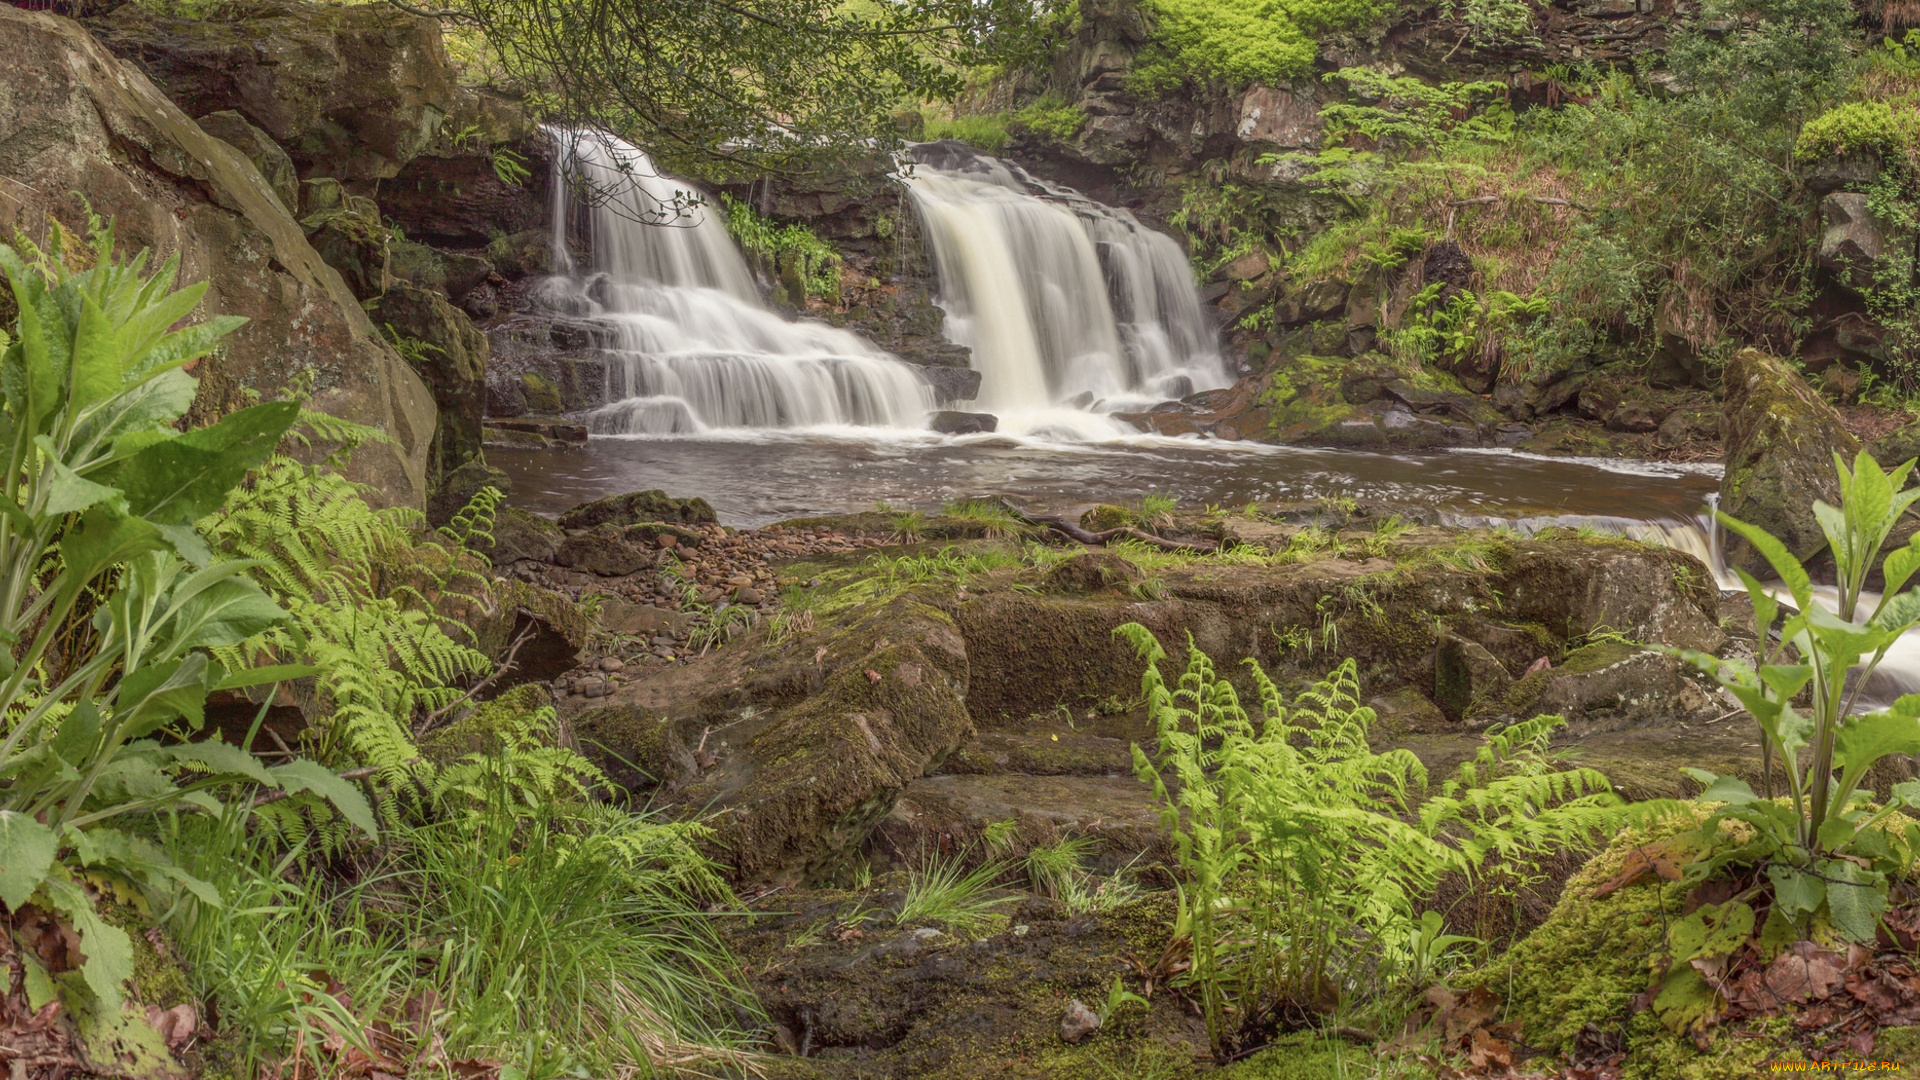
1307,858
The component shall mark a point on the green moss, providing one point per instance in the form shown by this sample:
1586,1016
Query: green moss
1232,43
479,732
1050,116
1588,961
1654,1053
1304,1055
542,396
986,132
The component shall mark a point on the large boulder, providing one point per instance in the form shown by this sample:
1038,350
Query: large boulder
258,147
1780,438
353,91
636,507
445,350
80,128
1855,243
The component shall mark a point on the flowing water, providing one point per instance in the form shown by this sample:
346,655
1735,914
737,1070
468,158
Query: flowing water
1072,309
693,348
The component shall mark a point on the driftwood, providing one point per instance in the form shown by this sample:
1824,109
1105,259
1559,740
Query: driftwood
1072,531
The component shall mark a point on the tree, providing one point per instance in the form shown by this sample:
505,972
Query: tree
737,87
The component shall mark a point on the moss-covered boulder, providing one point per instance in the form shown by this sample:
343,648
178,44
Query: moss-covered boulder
639,506
519,535
450,354
1780,440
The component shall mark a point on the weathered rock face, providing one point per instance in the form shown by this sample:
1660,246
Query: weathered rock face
353,92
1855,245
452,357
79,124
258,147
1780,440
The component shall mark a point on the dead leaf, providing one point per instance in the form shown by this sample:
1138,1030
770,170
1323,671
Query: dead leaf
1488,1051
1466,1013
1805,972
1664,860
177,1025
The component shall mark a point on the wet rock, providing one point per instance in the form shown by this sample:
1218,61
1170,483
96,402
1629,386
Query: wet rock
451,356
518,535
951,384
1092,571
1079,1022
636,507
1464,672
537,432
1647,593
258,147
352,92
128,152
964,423
453,199
1780,440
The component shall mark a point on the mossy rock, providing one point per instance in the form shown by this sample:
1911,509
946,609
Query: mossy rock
636,507
1106,516
540,393
1093,571
1781,436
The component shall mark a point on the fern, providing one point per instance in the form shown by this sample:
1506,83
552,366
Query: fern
1307,856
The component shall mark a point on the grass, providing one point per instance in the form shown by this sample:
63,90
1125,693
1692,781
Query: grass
956,899
566,941
997,522
986,132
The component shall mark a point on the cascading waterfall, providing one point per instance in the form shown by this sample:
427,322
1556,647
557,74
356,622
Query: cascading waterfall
692,348
1067,304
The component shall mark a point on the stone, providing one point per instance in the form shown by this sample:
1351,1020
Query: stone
1247,267
453,199
258,147
517,536
611,664
642,620
355,244
1780,437
604,551
1306,302
1849,172
1092,571
1278,116
951,384
747,594
350,91
540,395
590,687
639,506
1464,673
1079,1022
81,128
1634,415
1603,687
1853,242
451,355
448,273
458,488
964,423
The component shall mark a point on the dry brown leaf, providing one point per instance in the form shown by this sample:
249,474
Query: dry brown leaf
1664,860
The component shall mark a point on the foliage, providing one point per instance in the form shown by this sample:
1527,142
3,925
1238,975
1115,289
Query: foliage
112,609
1855,125
1231,43
986,132
556,936
813,261
955,898
1402,128
750,86
1305,856
996,521
1822,847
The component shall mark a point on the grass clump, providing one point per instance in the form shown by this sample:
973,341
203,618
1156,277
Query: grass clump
953,897
791,253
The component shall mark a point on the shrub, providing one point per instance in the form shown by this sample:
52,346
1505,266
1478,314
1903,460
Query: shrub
986,132
786,251
1856,125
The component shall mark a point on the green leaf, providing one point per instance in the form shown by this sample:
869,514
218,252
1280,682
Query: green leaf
181,480
107,949
1794,892
151,696
1871,498
1786,679
1776,554
1866,739
302,774
1833,523
1907,791
1765,607
260,676
1835,833
96,357
1856,897
39,985
67,491
1899,613
27,849
1726,789
225,613
102,539
1900,565
221,757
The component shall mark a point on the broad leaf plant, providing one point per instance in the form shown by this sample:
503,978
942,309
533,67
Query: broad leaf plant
109,600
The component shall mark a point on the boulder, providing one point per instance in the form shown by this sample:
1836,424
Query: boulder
518,535
964,423
1780,437
1606,686
1854,242
352,241
636,507
258,147
353,91
1465,673
605,550
1092,571
952,383
458,487
81,128
445,350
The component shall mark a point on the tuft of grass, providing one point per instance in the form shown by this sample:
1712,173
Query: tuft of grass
956,899
997,522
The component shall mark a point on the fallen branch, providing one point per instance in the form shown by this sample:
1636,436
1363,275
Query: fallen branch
1072,531
506,665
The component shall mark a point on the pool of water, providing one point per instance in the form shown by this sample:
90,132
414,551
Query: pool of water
767,476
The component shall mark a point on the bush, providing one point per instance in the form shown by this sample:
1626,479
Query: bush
1856,125
1231,43
986,132
787,252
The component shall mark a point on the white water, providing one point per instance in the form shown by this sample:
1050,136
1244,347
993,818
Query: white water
693,350
1072,309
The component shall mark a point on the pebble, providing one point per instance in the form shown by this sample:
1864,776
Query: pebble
747,594
611,663
1079,1022
591,688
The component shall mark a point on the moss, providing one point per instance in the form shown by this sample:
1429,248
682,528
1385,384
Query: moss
1654,1053
1588,961
479,732
1304,1055
542,396
1856,125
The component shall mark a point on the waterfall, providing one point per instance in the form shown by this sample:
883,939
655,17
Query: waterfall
691,347
1067,304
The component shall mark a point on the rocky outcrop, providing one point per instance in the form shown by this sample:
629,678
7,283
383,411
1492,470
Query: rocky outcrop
258,147
353,92
1780,440
83,129
1855,245
446,351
